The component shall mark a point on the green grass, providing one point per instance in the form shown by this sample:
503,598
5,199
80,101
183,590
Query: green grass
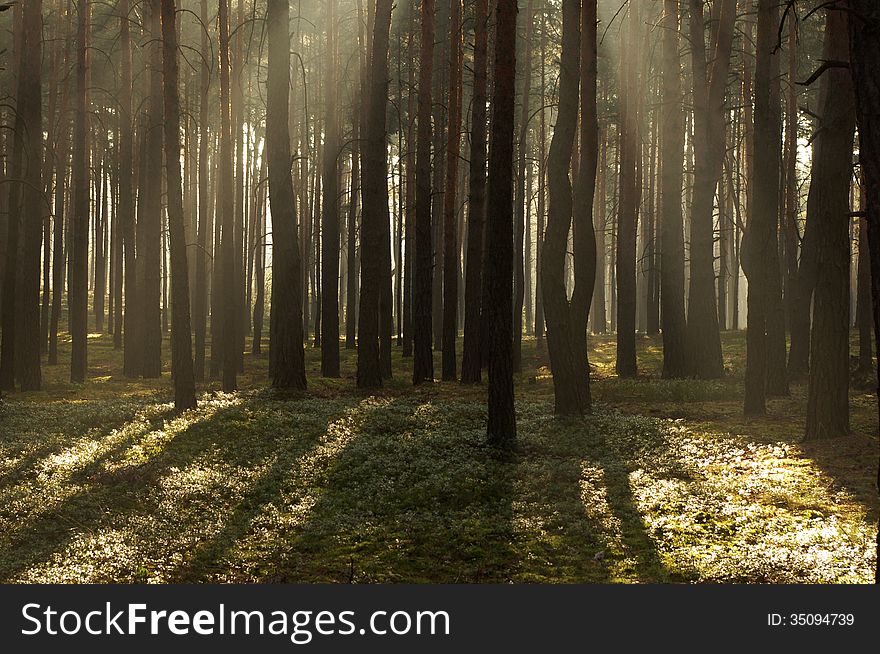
105,482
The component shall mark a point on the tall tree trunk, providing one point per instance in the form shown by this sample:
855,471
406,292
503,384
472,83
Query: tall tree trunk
227,212
864,316
567,323
710,81
450,199
471,362
181,336
150,209
865,68
828,394
374,222
330,211
34,210
79,251
200,297
351,285
629,201
285,320
584,235
501,427
520,202
675,355
760,253
423,357
410,228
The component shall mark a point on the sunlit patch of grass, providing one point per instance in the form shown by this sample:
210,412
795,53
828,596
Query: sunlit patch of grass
754,512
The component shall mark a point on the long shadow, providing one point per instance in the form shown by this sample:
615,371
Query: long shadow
414,497
277,485
592,528
229,434
67,428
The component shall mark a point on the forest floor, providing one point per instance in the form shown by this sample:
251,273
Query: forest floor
667,482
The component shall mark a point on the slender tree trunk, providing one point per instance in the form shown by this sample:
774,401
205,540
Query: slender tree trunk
710,81
450,199
760,258
200,297
501,427
423,357
34,210
828,394
865,68
181,336
351,286
150,209
79,251
227,213
864,316
330,211
471,363
374,223
285,321
410,229
629,201
519,226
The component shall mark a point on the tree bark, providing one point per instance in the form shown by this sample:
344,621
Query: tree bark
330,210
675,355
629,200
450,204
181,336
285,320
501,427
828,394
375,204
471,362
760,252
865,69
423,357
703,336
79,251
227,212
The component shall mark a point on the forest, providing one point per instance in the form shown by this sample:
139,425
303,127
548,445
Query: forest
439,291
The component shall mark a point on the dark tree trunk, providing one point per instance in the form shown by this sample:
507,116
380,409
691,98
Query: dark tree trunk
79,251
828,394
703,337
330,211
629,201
760,252
34,210
285,320
410,221
423,357
471,362
450,200
501,428
520,201
227,212
865,68
351,285
584,235
150,210
181,336
864,316
675,355
200,297
59,253
374,222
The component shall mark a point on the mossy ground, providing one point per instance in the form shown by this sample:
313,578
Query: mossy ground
104,482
